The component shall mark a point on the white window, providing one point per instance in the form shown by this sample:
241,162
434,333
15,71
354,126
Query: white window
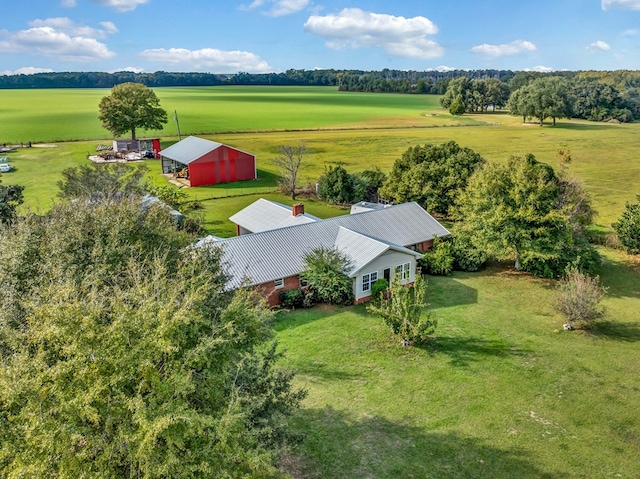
404,271
278,283
368,280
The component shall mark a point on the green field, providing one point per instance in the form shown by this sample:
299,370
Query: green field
503,391
72,114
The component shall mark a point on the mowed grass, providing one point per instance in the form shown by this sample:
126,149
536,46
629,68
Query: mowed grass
501,392
357,130
72,114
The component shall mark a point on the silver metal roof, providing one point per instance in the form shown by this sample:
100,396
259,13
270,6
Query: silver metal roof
279,253
263,215
189,149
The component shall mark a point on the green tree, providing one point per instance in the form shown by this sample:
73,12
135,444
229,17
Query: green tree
496,94
10,198
509,209
432,175
457,107
546,97
123,353
327,275
628,226
405,312
131,106
102,181
458,90
337,186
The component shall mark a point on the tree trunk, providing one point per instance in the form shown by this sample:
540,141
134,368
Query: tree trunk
133,133
517,265
554,121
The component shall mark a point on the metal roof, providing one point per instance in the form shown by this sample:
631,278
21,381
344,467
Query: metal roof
279,253
263,215
189,149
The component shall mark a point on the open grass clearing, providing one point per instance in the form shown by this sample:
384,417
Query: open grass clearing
502,391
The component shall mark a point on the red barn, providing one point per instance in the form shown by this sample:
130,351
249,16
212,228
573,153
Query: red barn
208,162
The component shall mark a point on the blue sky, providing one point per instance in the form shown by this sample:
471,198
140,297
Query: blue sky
259,36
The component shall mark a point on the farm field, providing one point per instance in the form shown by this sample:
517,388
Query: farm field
501,392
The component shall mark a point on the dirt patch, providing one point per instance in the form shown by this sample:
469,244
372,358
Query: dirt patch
44,145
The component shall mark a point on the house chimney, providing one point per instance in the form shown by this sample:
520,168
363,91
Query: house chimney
297,209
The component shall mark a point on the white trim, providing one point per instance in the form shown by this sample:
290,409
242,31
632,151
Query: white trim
278,283
371,278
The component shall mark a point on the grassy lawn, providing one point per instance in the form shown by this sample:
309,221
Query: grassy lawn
502,392
357,130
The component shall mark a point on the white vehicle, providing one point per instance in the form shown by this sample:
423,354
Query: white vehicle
4,159
4,168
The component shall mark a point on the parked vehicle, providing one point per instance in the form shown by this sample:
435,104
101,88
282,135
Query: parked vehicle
5,168
4,159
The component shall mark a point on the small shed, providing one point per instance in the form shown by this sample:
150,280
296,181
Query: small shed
208,162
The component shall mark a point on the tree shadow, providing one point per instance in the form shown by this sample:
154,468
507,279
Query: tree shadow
615,330
465,350
289,319
621,277
338,445
321,372
446,291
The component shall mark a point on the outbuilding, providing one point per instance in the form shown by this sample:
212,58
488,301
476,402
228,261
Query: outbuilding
204,162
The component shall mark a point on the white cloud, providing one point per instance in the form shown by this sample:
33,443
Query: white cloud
57,38
541,69
632,32
26,71
599,46
68,3
120,5
208,59
513,48
277,8
69,27
442,68
398,36
128,69
625,4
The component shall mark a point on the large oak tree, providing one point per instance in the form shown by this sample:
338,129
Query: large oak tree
131,106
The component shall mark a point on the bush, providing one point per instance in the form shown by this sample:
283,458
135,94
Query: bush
579,297
291,299
457,107
584,256
439,259
628,227
378,289
466,256
326,275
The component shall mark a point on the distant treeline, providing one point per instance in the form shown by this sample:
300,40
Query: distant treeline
387,81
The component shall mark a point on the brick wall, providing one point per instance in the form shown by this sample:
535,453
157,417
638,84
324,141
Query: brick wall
272,295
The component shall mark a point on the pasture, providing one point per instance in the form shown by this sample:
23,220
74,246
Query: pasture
502,391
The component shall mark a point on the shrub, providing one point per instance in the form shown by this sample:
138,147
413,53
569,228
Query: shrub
439,259
292,299
584,256
378,288
466,256
457,107
326,274
579,297
405,312
628,227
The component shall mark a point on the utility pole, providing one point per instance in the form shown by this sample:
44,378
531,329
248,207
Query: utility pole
175,117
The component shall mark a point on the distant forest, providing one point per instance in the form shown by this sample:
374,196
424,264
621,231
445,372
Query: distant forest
383,81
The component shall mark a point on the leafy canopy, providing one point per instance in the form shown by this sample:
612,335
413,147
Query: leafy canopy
131,106
103,182
10,198
124,355
431,175
511,208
